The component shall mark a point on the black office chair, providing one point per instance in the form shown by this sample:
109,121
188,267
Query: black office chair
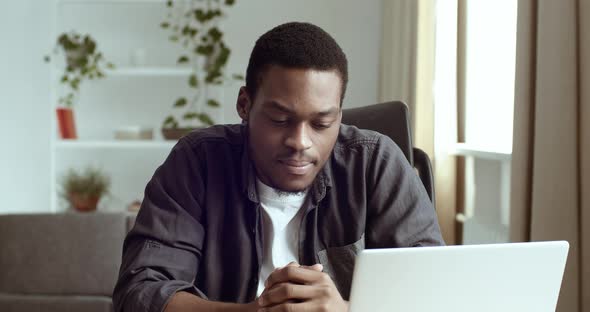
393,119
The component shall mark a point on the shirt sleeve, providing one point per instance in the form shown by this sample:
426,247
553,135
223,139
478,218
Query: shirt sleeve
161,253
400,213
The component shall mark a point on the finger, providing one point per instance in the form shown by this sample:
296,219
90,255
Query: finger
292,274
285,292
290,307
292,263
316,267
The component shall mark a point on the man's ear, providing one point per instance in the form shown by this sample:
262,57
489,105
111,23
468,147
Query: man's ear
243,104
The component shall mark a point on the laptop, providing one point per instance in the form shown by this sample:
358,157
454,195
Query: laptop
498,277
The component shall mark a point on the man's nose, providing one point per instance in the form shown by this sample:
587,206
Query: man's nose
298,138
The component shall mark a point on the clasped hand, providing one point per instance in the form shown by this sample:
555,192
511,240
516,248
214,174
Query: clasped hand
296,288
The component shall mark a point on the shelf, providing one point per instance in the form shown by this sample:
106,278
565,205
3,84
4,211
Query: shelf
114,144
148,72
464,149
110,1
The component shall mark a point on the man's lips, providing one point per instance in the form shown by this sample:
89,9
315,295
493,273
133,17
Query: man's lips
296,167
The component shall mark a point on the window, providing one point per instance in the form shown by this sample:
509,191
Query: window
490,55
474,75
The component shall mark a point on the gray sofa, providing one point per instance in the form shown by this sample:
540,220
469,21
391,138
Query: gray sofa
60,262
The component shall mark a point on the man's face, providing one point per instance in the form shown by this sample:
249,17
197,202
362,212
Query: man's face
293,124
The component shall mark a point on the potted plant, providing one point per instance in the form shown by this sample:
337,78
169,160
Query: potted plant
82,61
195,25
83,190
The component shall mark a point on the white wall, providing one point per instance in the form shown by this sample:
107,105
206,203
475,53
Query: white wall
356,26
24,111
27,33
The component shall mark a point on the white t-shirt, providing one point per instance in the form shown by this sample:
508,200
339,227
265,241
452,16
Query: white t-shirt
282,218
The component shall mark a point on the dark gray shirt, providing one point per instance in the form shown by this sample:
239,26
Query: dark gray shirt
199,227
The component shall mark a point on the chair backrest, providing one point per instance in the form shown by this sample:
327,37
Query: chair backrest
393,120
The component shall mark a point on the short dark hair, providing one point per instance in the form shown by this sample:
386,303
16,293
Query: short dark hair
296,45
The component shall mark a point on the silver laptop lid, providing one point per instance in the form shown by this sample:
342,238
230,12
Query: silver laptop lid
498,277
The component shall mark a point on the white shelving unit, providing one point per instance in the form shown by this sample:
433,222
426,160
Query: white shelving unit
128,95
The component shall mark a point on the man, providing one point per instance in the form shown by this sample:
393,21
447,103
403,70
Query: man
269,215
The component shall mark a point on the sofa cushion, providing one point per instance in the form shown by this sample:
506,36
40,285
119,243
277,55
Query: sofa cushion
40,303
61,254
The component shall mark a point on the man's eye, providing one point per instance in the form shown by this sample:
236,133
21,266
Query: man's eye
322,126
279,121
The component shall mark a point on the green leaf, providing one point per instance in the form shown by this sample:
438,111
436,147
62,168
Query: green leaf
169,119
212,14
213,103
185,30
215,34
190,116
90,44
205,50
206,120
181,102
238,77
193,81
212,76
169,3
64,78
75,83
200,15
170,122
222,57
230,2
173,38
165,25
182,59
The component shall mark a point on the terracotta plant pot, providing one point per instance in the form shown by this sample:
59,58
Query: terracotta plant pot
65,122
83,203
176,133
